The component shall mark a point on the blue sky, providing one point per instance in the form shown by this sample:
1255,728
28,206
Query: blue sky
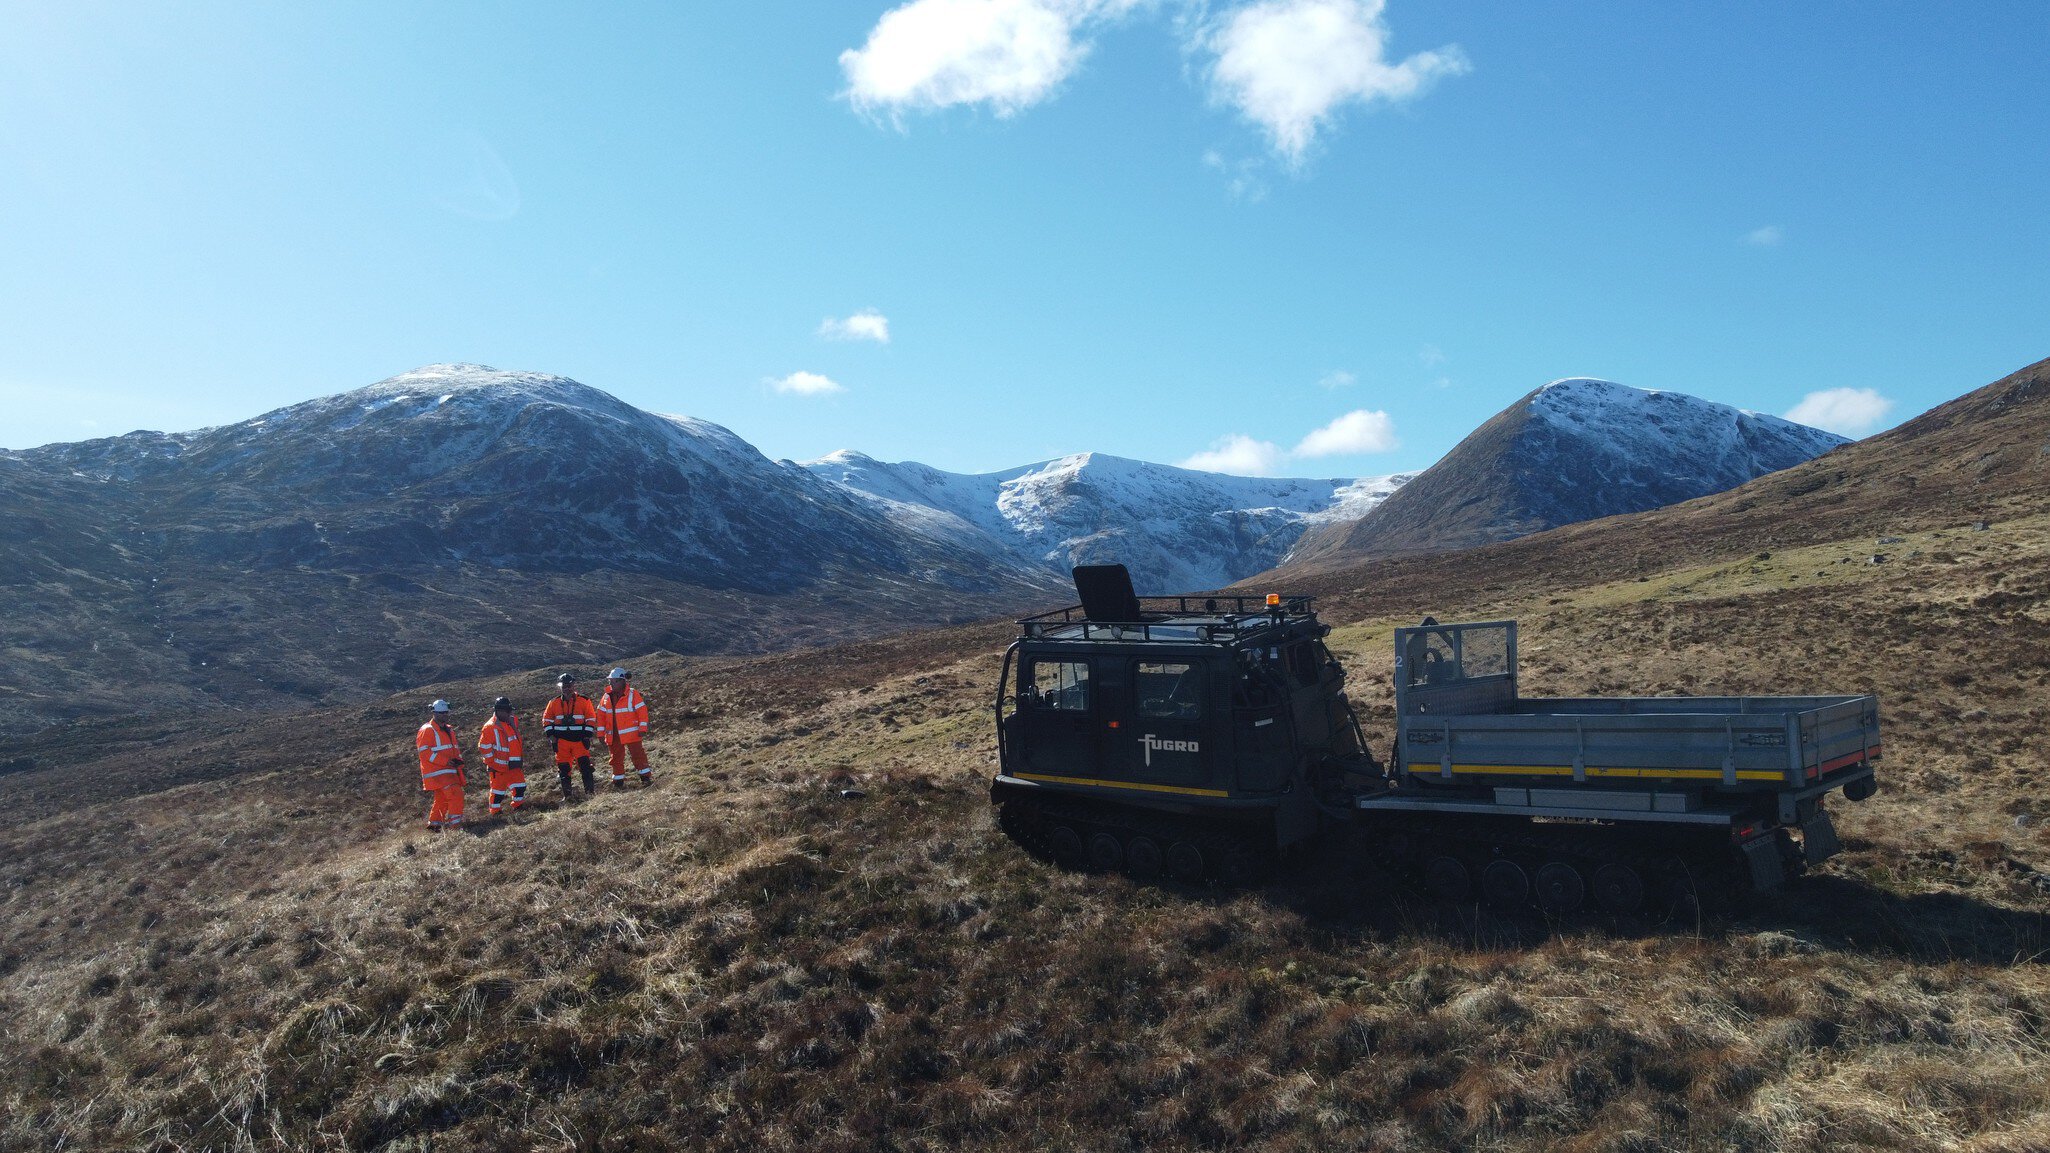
1312,237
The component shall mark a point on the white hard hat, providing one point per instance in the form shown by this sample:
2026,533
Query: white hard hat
618,674
441,706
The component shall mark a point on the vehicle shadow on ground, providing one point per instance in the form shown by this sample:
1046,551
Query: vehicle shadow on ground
1847,913
1816,913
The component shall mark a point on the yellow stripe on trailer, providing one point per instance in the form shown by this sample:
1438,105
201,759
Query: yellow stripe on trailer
1051,780
1430,768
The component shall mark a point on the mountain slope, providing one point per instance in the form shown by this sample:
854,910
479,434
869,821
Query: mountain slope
449,521
1577,449
1177,529
1982,458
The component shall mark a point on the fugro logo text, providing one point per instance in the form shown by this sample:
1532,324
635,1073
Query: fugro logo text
1153,743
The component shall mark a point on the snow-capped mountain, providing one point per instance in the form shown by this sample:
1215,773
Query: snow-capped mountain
449,521
466,464
1575,450
1177,529
456,520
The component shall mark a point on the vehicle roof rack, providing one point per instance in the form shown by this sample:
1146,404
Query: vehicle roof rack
1175,620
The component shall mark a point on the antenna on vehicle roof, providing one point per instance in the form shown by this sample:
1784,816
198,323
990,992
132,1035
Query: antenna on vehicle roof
1106,592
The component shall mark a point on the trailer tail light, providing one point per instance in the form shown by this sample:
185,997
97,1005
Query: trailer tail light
1744,832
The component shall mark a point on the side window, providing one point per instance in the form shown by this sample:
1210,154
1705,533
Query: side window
1062,685
1303,664
1168,689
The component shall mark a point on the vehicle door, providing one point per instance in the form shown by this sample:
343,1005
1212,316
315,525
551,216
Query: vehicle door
1055,721
1159,739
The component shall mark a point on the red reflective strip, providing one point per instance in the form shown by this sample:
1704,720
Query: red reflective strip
1845,761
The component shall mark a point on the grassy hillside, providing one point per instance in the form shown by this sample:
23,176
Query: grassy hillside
240,939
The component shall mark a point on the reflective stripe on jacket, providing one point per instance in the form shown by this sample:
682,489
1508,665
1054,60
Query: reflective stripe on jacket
438,756
625,719
499,743
576,721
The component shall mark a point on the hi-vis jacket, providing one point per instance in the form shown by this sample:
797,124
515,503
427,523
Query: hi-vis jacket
574,722
499,744
440,756
623,720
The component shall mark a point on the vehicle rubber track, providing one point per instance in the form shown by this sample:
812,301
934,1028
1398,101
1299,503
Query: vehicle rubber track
1677,880
1229,854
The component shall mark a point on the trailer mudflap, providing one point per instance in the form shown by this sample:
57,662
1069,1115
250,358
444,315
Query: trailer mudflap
1818,838
1762,854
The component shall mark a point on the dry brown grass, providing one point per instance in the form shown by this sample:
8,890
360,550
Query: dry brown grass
270,956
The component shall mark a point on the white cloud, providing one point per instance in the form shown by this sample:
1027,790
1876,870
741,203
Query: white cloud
1337,378
1289,66
1355,432
1007,54
1767,237
1850,412
807,384
1359,431
868,324
1240,456
1431,355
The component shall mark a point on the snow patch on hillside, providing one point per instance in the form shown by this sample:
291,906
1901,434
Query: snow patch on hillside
1682,436
1177,529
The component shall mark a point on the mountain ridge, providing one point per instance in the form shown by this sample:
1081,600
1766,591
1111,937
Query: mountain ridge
1576,449
1176,529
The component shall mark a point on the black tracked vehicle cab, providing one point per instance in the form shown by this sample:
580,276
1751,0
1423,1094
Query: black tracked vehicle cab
1185,735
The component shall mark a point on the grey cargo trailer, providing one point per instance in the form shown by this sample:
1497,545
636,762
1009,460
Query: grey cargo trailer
1753,769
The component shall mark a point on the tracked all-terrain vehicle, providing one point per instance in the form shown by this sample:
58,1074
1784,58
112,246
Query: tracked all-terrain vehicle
1202,736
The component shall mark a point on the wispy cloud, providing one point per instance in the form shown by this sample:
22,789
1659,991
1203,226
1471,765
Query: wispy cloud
1240,456
1005,54
868,324
1431,355
807,384
1242,177
470,179
1356,432
1852,412
1337,378
1290,66
1766,237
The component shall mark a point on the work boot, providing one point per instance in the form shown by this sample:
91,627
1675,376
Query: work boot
647,778
590,781
568,794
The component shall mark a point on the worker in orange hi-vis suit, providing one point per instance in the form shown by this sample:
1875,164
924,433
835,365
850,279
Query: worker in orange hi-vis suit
571,721
623,723
441,769
500,746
